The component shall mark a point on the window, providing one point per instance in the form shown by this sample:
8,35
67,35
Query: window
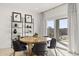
63,29
50,28
63,26
60,29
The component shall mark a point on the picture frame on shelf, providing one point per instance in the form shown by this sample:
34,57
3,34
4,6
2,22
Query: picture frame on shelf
16,17
28,18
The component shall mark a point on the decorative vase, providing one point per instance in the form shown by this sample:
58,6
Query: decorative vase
15,31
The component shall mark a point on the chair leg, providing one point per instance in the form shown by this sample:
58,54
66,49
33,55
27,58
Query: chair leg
25,53
55,51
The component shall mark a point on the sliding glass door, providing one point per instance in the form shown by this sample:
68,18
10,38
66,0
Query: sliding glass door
58,29
62,29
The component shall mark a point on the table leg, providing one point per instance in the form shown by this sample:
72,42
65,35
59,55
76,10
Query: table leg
30,49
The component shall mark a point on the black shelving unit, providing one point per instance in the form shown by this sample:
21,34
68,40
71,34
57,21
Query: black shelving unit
16,27
29,27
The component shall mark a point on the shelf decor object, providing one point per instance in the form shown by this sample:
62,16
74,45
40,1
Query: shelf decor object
15,25
28,18
15,31
16,17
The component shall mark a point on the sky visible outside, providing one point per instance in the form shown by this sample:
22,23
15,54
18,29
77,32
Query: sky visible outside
50,24
62,23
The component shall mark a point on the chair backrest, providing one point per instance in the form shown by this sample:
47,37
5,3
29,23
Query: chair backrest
53,43
40,47
17,46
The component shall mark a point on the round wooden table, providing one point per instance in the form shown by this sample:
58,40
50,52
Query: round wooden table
32,40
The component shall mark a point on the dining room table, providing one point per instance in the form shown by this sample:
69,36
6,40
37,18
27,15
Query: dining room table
30,40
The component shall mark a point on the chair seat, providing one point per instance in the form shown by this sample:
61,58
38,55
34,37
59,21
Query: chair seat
50,47
21,48
17,46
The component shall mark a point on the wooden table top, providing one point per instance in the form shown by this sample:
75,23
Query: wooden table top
31,39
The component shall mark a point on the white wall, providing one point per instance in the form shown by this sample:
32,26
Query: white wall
5,23
54,14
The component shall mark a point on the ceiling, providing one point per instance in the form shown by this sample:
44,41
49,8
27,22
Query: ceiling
35,7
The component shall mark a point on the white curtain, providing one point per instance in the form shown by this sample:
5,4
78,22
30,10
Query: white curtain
73,27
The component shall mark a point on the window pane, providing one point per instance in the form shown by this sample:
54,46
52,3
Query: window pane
63,23
63,26
63,29
50,24
50,28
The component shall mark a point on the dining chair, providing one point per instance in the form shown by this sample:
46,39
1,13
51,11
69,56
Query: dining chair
17,46
53,45
39,49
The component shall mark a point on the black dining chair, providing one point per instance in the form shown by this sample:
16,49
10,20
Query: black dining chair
53,45
39,49
17,46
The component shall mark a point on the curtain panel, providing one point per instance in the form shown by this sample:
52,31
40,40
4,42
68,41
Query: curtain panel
73,27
